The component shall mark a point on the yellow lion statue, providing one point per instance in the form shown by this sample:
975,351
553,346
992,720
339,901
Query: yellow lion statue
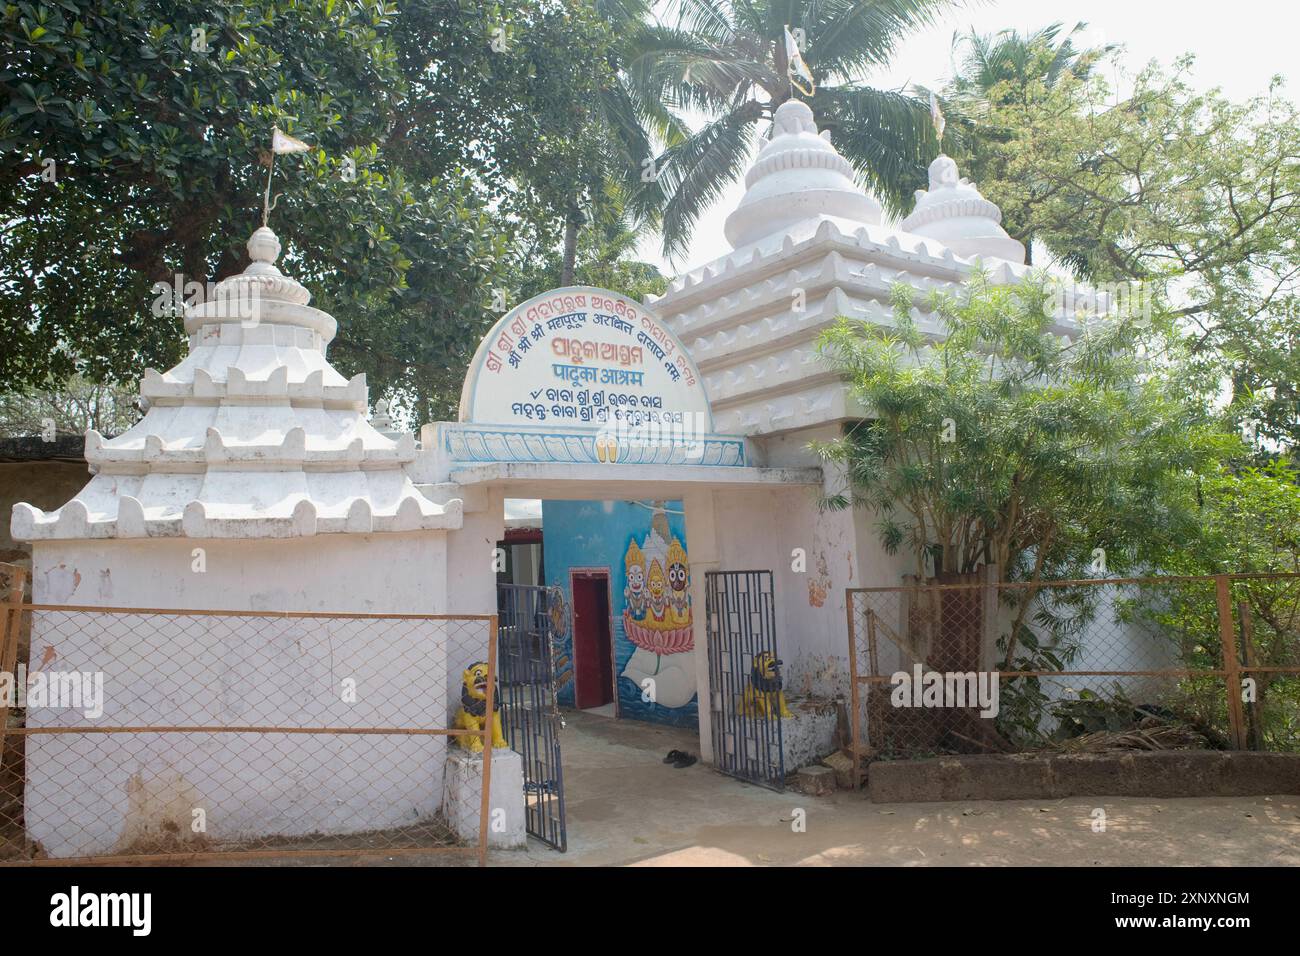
473,709
764,696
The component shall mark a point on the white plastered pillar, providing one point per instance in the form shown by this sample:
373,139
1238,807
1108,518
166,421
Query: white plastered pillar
705,556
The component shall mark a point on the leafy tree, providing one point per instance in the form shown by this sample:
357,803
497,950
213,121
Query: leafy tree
604,258
1193,196
583,133
997,71
137,117
1249,524
729,61
995,439
69,408
1007,64
445,151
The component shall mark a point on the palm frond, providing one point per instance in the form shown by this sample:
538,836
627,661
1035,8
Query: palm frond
846,37
694,173
691,73
710,20
887,136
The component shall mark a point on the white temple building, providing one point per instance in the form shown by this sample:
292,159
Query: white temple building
253,435
257,451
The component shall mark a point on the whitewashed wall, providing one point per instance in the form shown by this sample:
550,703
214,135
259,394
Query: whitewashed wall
761,529
100,793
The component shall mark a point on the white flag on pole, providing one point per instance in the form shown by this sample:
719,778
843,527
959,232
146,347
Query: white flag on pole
936,116
798,69
282,143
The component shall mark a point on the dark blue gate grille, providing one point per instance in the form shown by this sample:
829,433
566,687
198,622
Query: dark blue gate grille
530,717
741,627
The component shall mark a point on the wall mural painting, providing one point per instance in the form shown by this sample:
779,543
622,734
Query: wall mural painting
657,616
644,546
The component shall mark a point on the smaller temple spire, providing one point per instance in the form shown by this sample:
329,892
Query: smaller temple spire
252,435
953,212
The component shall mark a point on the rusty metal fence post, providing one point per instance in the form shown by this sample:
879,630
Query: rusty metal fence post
854,702
485,798
1231,660
10,625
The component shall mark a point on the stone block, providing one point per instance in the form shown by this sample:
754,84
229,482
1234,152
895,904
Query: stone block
507,825
815,781
808,735
842,764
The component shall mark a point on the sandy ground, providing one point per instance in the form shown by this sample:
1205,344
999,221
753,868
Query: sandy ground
625,807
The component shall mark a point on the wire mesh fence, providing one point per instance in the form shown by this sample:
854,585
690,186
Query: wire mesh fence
975,666
149,735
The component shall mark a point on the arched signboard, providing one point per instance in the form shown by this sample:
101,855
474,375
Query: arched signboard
586,375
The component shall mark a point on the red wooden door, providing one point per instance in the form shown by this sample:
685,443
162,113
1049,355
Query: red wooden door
593,652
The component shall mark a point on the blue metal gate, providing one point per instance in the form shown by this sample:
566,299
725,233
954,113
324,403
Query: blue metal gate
530,717
746,699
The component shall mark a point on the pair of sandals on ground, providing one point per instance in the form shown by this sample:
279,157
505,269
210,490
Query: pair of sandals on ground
679,758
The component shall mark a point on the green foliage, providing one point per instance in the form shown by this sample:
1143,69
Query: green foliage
605,259
729,62
68,408
999,72
1023,702
1191,194
152,143
1249,524
441,169
1006,443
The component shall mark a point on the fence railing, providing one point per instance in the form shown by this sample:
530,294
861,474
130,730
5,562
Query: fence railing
139,734
974,666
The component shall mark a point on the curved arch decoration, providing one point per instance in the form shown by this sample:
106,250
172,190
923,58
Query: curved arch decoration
583,375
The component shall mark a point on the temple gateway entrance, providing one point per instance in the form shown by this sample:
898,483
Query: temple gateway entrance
586,449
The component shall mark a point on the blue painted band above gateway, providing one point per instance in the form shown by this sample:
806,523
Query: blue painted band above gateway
467,443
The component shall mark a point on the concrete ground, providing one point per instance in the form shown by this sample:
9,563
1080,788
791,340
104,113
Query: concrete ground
626,807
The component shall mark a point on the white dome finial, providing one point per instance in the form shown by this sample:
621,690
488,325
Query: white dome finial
263,245
797,176
794,116
953,212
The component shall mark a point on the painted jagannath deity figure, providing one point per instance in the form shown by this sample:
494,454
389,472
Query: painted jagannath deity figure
657,615
635,595
679,580
658,585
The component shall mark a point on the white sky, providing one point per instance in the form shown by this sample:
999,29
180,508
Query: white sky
1239,47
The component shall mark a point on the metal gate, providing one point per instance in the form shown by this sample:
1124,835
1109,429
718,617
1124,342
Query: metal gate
530,717
745,698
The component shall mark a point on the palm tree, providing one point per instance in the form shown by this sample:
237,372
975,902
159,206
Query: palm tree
1005,66
621,120
579,130
1008,69
727,60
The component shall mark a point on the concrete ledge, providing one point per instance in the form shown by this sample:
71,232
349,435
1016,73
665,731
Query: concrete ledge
1175,773
809,734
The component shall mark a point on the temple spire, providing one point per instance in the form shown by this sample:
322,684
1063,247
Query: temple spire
797,176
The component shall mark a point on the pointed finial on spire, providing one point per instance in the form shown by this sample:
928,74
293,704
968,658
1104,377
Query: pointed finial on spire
797,176
263,246
953,212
